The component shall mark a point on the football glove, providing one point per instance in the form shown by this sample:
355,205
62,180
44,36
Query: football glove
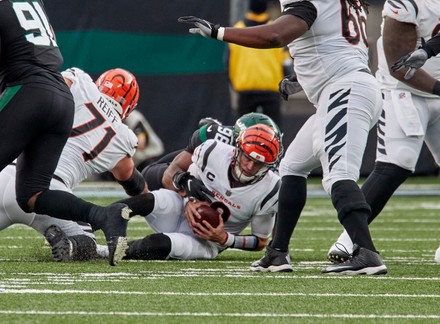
209,120
413,60
204,27
289,86
192,186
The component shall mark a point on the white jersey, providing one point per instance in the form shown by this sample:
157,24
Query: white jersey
99,139
425,15
335,45
253,204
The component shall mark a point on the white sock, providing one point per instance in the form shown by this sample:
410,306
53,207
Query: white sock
102,250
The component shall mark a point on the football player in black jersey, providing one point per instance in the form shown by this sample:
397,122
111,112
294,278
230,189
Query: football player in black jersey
36,116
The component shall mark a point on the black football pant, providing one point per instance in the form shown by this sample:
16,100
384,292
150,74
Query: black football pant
35,123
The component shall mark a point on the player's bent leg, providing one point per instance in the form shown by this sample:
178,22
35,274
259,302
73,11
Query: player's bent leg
185,246
141,205
156,246
112,220
167,214
381,185
41,223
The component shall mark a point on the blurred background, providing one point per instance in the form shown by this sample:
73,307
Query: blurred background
182,77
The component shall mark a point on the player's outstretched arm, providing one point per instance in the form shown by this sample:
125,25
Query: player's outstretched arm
277,34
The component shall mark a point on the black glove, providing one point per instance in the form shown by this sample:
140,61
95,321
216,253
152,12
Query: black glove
204,27
209,120
289,86
192,186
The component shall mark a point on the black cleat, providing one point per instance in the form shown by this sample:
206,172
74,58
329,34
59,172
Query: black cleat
362,261
273,261
62,247
70,248
113,220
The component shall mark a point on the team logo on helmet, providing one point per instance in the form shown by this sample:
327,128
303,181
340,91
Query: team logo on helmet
121,88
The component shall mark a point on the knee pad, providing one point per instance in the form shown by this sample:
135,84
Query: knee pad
406,158
156,246
401,154
346,197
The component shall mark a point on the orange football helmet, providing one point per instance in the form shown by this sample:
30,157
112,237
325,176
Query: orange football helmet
122,89
261,144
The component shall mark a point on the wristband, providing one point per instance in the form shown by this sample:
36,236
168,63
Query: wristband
246,242
432,47
220,33
436,89
230,240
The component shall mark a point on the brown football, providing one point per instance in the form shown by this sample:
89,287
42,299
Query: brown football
208,214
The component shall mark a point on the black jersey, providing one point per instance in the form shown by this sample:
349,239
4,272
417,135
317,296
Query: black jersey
28,49
211,131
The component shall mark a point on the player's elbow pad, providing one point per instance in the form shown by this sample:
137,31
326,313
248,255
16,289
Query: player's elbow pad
135,185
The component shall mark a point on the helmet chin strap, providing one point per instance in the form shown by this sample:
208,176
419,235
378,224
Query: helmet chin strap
236,171
238,175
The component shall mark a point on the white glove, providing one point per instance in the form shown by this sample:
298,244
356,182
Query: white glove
204,27
289,86
413,60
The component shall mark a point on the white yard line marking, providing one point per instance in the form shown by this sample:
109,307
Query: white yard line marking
188,314
226,294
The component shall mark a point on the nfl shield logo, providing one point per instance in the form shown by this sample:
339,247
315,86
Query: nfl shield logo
228,193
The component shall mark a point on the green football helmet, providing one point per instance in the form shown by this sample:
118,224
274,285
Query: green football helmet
253,118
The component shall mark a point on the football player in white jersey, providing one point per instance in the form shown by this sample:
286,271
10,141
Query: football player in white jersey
242,182
327,40
411,113
99,142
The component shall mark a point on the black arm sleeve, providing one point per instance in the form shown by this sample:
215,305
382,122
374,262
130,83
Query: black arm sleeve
304,10
135,185
432,47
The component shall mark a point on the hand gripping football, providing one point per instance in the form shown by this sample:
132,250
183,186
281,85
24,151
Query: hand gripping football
208,214
211,213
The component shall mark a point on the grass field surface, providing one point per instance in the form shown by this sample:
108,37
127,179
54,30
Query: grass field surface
34,289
